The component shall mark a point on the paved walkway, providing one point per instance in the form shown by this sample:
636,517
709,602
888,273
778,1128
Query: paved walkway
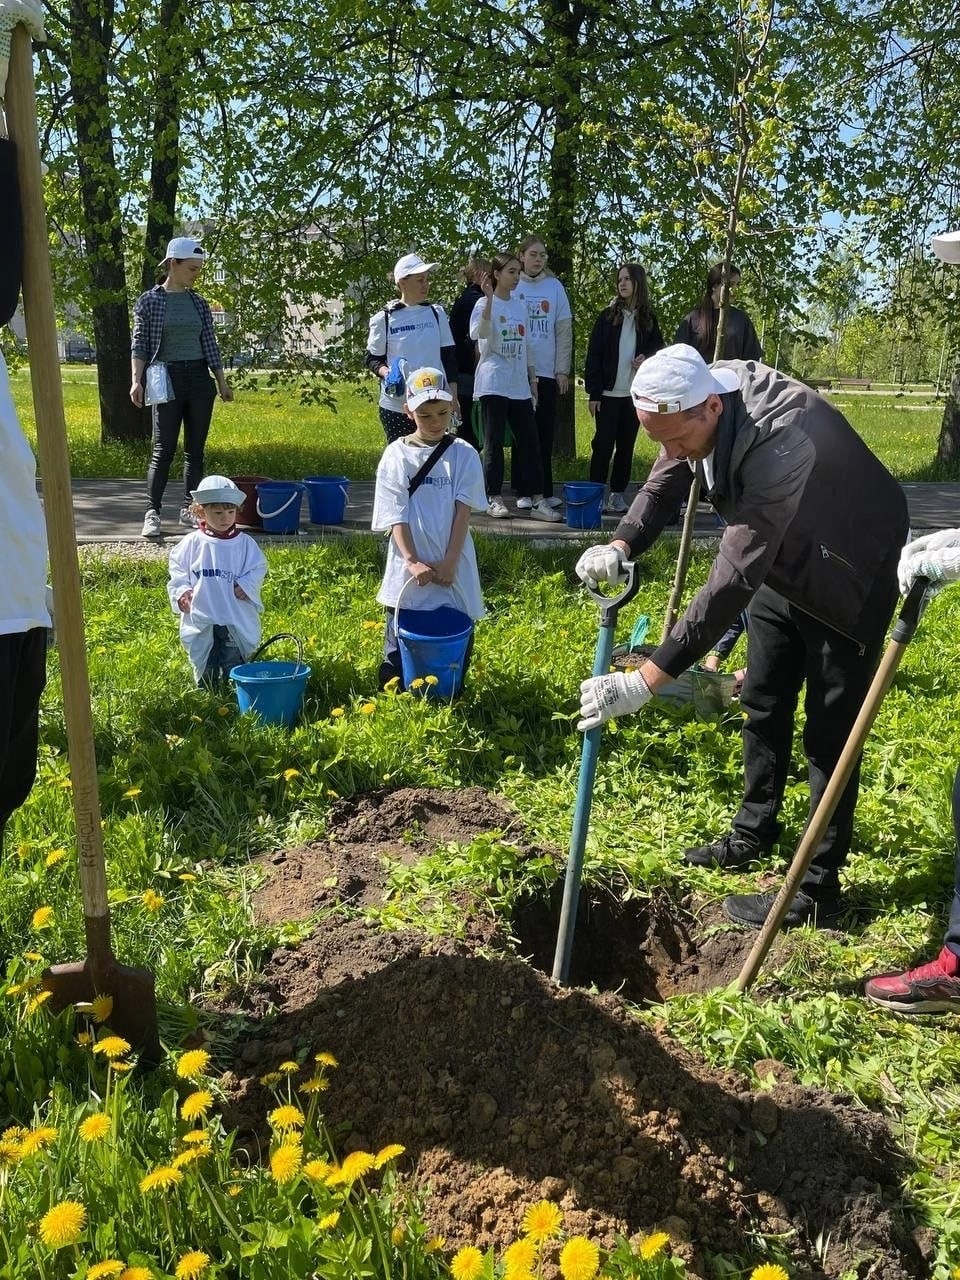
112,511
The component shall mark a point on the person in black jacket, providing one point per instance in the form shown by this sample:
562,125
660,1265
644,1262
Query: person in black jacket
625,333
460,314
699,328
814,524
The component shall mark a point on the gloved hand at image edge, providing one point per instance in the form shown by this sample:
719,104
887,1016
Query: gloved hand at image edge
603,563
605,697
935,556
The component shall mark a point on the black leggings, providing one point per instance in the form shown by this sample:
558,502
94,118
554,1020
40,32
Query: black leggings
194,393
497,412
615,428
23,673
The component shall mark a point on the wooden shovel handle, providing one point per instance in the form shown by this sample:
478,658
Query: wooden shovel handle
57,496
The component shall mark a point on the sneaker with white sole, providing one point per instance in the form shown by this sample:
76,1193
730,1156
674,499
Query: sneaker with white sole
151,525
497,509
543,511
556,503
188,519
524,504
617,504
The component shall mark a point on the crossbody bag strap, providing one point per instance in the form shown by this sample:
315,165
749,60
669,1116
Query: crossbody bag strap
435,456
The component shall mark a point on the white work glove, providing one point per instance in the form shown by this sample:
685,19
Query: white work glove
602,564
30,13
605,697
935,556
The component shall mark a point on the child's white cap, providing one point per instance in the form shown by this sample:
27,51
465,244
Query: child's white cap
426,384
218,489
411,264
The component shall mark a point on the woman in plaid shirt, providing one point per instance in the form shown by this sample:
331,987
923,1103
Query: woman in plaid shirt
173,324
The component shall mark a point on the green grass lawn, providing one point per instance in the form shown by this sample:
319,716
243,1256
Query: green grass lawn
271,433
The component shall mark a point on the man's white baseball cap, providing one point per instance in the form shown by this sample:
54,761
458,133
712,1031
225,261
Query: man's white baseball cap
947,246
679,378
411,264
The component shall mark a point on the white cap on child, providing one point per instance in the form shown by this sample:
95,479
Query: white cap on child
218,489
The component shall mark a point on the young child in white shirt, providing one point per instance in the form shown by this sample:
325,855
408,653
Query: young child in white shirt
215,577
429,528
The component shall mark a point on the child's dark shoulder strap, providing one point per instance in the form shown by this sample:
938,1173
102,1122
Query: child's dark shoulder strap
435,455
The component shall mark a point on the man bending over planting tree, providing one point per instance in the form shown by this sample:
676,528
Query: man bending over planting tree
814,528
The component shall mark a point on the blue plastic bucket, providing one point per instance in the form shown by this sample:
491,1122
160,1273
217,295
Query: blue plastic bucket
327,498
434,642
278,505
273,691
584,499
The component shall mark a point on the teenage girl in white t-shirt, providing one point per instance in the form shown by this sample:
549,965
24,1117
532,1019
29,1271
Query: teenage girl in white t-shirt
505,384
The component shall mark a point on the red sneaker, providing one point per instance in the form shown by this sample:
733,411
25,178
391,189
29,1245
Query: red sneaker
930,988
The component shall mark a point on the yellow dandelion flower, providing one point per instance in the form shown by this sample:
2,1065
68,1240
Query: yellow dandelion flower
136,1273
652,1246
285,1163
187,877
398,1232
196,1104
193,1063
42,918
24,851
386,1154
152,900
367,708
520,1257
101,1008
20,988
370,625
95,1128
467,1263
392,684
195,1136
542,1221
132,792
38,1001
85,1039
54,856
63,1224
160,1179
270,1079
35,1140
289,1068
14,1134
121,1067
317,1170
435,1244
192,1265
416,684
337,712
431,680
112,1047
769,1271
191,1154
103,1270
326,1059
316,1084
579,1259
290,774
356,1165
34,957
286,1118
10,1153
234,1189
328,1221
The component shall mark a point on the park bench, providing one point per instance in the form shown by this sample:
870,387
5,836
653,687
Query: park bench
863,383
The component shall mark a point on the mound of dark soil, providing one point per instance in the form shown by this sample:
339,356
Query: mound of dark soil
505,1089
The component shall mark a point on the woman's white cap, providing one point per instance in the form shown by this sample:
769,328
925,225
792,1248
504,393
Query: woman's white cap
184,247
218,489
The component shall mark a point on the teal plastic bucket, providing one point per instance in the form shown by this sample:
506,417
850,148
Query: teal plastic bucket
278,505
584,499
273,691
327,498
434,642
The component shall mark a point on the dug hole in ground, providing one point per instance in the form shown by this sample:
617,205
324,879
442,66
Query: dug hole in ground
505,1089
